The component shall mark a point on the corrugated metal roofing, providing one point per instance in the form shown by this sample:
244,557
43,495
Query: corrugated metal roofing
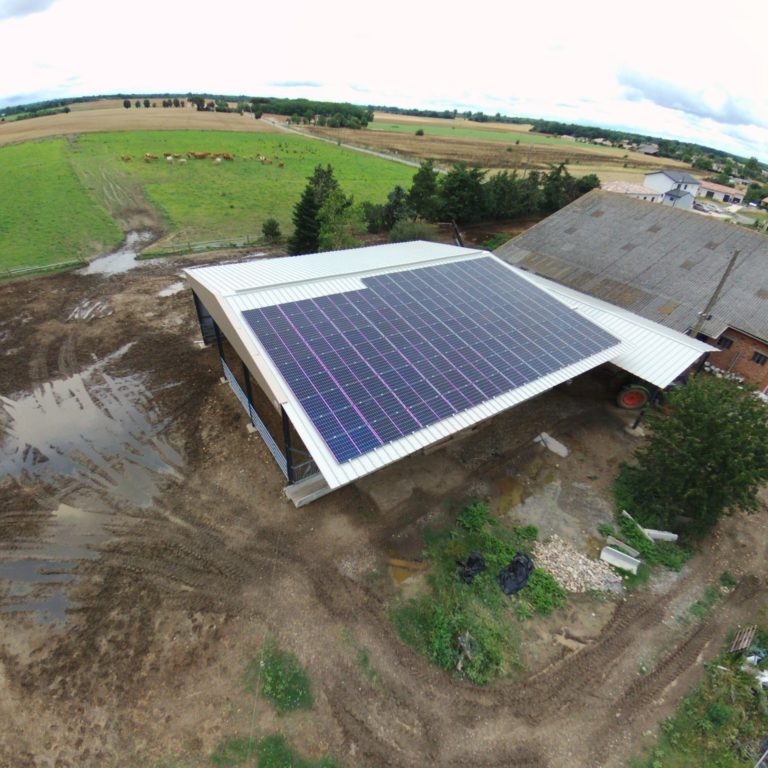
230,289
653,353
659,262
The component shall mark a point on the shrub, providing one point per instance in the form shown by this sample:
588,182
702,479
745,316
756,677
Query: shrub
405,231
271,230
543,592
419,131
474,517
279,677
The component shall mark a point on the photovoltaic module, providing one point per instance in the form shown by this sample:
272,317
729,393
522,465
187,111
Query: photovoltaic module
417,346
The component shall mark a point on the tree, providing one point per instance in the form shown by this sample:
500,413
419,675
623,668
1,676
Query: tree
707,456
423,193
137,103
271,230
397,208
127,103
340,222
306,233
751,169
461,194
146,103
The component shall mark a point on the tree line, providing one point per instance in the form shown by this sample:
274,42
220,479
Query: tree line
326,219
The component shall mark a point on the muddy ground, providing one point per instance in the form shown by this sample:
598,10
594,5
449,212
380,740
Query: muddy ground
146,551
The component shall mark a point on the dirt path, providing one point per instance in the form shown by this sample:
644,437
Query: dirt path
169,555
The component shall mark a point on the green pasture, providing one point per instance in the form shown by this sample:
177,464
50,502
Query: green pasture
204,200
46,215
479,134
55,194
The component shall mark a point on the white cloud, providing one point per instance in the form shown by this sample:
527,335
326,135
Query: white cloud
645,68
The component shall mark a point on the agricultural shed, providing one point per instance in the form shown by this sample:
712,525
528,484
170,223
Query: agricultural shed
694,274
351,360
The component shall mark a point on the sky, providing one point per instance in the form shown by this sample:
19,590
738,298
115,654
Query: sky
694,71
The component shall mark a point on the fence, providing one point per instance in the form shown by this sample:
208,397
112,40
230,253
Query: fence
40,268
202,246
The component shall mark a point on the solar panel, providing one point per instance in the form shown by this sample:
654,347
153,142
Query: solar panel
415,347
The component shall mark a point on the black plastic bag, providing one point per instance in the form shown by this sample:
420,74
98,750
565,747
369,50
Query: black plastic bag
471,567
515,576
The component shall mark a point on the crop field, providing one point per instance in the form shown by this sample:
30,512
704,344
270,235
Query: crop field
47,215
70,185
495,146
107,115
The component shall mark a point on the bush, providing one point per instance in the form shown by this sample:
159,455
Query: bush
405,231
271,230
474,517
419,131
543,592
279,677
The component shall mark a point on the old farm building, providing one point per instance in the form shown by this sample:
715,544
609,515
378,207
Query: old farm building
692,273
349,361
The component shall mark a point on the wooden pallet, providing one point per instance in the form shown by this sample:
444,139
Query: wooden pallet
743,639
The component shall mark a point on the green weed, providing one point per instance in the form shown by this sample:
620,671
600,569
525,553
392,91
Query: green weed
268,752
279,677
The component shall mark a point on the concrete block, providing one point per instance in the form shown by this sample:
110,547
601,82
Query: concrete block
660,535
620,560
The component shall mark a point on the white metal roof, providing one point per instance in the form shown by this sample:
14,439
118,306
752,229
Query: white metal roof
651,351
230,289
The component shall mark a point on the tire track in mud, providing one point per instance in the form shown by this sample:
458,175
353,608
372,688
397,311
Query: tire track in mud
643,692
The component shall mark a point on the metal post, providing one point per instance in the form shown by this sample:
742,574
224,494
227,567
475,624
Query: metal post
248,390
288,450
218,339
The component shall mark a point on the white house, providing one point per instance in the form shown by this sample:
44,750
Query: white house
664,181
678,198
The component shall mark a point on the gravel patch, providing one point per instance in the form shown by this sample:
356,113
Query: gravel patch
573,570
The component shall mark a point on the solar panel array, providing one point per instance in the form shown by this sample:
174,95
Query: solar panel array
415,347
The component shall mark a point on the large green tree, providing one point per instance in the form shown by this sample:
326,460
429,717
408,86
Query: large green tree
341,222
706,456
422,196
306,224
461,194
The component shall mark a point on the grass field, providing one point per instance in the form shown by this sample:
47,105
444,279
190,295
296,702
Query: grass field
61,190
478,134
47,215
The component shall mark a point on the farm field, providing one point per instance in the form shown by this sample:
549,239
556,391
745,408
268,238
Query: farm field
48,216
185,201
101,116
495,146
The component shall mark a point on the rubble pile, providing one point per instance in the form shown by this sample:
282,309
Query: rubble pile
574,571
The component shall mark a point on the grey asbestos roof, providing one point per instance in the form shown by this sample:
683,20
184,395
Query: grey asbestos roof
662,263
680,177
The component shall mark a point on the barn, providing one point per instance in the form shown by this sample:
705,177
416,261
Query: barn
349,361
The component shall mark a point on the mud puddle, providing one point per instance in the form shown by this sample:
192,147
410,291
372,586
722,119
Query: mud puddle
172,289
34,575
89,437
122,259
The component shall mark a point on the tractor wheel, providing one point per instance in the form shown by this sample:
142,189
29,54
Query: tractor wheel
633,397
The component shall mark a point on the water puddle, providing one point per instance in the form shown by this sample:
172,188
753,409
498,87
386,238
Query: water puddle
101,431
172,289
89,435
35,573
122,259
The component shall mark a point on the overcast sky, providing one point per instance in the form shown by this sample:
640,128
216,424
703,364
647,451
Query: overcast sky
694,71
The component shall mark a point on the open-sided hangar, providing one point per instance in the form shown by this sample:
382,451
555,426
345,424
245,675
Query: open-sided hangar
351,360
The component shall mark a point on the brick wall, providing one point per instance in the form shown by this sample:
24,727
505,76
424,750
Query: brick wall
739,357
